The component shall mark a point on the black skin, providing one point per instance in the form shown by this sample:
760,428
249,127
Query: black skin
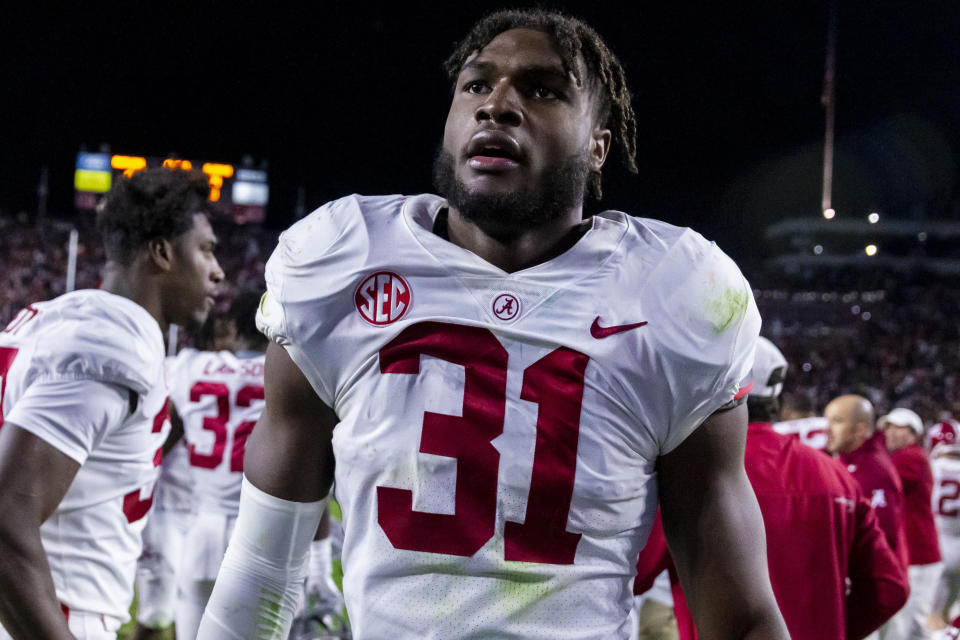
175,281
517,87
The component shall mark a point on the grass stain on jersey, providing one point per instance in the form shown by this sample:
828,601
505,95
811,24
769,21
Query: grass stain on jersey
727,310
519,592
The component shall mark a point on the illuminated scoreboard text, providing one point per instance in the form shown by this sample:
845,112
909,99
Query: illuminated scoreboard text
238,192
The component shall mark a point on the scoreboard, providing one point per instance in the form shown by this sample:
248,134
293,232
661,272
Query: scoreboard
239,193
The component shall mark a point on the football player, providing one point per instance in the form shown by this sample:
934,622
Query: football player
84,411
513,386
944,445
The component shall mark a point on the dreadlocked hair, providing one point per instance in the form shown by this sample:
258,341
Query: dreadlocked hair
572,36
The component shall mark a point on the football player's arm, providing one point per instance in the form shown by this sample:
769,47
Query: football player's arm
715,532
289,453
288,470
34,476
878,581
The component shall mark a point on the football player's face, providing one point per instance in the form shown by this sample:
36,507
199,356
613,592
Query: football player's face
898,436
841,429
517,116
195,274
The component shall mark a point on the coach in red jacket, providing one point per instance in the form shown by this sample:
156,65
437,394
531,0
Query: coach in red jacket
853,438
903,430
820,530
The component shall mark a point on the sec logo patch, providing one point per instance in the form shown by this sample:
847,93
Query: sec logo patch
383,298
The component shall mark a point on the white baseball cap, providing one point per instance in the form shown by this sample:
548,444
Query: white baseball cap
769,370
903,418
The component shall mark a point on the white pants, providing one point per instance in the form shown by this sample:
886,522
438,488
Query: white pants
948,588
85,626
158,566
910,623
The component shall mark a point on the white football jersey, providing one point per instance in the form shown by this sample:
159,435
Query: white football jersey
499,431
219,397
812,431
946,500
93,539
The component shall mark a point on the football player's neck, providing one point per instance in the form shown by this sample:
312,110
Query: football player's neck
127,281
515,248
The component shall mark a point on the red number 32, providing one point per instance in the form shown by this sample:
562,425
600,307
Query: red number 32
555,383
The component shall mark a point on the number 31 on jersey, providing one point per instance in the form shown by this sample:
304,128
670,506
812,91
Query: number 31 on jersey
555,383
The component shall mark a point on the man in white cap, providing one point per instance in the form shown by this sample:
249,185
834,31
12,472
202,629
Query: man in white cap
903,430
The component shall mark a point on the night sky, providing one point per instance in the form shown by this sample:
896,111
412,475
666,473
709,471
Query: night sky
346,97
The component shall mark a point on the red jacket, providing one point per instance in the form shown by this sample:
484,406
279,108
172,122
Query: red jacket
873,468
914,468
820,530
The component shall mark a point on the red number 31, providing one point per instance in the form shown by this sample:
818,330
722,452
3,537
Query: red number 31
555,383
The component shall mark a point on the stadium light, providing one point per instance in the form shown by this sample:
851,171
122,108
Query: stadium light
829,214
870,250
874,218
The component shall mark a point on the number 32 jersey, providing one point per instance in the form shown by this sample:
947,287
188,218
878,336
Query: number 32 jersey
219,397
499,431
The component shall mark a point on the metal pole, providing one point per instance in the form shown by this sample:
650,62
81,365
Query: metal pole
72,260
828,100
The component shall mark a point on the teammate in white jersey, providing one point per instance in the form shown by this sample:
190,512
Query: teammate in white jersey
513,387
84,411
944,444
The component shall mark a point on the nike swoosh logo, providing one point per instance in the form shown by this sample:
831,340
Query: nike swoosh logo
599,332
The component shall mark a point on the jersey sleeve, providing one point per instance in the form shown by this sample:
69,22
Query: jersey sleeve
71,415
707,340
101,343
302,268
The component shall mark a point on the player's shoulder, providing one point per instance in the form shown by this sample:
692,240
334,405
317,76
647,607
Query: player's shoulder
97,335
326,226
703,301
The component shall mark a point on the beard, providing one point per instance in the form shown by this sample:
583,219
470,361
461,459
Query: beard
561,188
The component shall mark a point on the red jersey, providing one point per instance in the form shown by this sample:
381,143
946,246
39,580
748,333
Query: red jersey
871,465
914,468
819,526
